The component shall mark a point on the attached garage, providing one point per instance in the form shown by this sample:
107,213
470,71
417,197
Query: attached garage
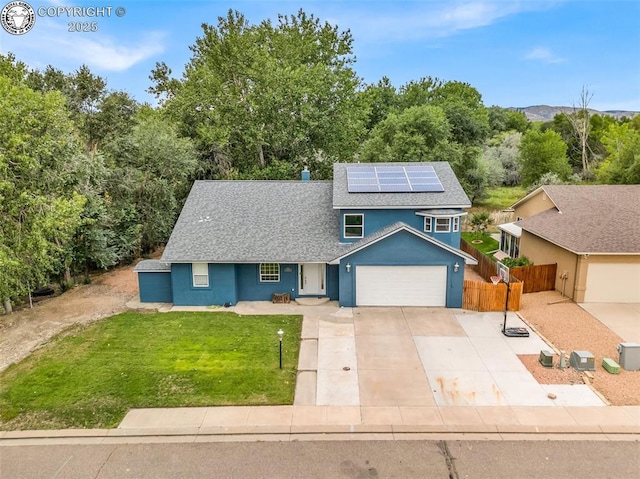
613,283
401,286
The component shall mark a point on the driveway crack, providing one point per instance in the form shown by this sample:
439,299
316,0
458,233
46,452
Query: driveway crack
449,459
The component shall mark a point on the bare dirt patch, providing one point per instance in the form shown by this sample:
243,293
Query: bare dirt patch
24,331
570,328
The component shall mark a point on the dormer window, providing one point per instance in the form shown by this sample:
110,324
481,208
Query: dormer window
354,226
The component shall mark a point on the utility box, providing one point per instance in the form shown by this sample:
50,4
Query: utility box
582,361
629,356
546,358
611,366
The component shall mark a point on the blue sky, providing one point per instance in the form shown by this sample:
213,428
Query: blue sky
516,53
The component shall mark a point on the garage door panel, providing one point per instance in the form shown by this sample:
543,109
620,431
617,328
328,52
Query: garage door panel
613,283
401,285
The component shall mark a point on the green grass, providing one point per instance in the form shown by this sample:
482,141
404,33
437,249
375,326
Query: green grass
488,245
90,376
501,197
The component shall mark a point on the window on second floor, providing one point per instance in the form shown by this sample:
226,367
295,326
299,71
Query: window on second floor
443,225
354,226
427,224
456,223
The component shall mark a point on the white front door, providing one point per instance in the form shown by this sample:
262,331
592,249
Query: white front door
312,279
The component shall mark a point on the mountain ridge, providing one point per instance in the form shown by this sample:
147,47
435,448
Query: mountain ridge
547,112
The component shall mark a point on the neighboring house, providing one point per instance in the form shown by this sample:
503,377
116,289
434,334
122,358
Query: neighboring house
592,232
378,234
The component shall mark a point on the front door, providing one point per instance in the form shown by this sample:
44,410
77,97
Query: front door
312,279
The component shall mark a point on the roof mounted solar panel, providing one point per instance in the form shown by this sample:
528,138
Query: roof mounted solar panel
393,179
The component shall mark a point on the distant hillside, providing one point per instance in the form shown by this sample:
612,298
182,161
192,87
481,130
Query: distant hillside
546,112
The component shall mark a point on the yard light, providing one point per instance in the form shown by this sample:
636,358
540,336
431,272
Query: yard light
280,333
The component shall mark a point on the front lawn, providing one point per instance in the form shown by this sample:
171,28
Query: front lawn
91,376
488,245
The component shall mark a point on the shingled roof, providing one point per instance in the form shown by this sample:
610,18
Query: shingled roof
593,219
453,195
256,221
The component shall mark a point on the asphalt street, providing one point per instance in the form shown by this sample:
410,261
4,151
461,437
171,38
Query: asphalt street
327,459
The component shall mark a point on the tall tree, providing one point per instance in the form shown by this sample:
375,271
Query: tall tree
40,210
540,153
622,164
252,94
581,125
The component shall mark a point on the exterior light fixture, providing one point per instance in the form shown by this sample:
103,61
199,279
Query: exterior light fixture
280,333
348,266
456,267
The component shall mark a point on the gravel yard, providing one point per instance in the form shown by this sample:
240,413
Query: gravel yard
570,328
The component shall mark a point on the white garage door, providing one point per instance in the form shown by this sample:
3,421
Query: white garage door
613,283
401,285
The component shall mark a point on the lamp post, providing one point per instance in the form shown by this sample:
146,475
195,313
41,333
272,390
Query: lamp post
280,333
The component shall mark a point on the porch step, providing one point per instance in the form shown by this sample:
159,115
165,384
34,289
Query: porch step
312,301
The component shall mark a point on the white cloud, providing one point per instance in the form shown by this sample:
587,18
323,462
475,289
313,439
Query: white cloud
544,55
424,20
50,43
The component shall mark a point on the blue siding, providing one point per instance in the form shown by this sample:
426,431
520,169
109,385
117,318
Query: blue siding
155,287
375,220
403,248
333,278
251,289
221,289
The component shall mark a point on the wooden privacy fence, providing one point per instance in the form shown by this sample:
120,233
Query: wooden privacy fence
536,278
485,267
478,296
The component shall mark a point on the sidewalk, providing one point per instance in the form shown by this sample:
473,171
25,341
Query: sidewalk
308,423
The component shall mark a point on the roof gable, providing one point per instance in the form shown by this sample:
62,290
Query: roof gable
453,195
395,228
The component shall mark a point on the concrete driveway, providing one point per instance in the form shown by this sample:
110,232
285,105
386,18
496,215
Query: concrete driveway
621,318
429,357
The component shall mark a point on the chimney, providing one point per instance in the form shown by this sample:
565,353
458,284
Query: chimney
306,175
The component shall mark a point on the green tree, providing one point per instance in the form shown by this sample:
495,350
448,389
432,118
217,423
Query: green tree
147,182
540,153
39,209
252,94
622,164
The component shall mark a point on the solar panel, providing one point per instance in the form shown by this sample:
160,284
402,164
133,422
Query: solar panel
393,179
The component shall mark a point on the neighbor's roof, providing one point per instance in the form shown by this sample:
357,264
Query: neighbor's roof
256,221
590,219
453,195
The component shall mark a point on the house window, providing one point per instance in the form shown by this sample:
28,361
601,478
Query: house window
427,224
510,244
443,225
354,226
269,272
200,275
456,223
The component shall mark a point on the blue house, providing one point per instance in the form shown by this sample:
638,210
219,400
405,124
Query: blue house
383,234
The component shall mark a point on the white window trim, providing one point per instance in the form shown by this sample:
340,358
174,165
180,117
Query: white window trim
199,274
345,226
448,220
261,275
456,224
428,224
